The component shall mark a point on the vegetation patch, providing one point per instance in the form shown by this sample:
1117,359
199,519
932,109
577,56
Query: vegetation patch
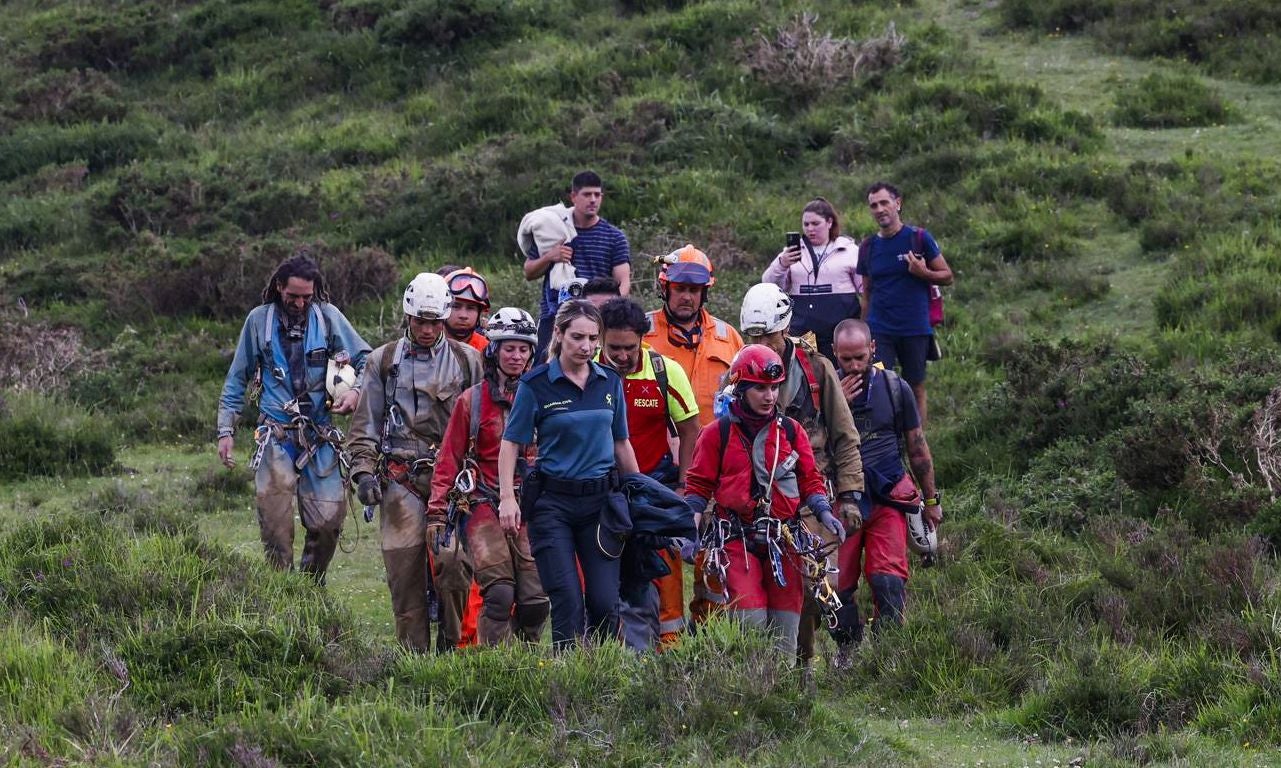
1161,100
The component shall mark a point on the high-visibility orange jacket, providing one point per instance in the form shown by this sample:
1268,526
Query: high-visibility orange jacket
705,362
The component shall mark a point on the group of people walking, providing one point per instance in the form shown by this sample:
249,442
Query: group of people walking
573,465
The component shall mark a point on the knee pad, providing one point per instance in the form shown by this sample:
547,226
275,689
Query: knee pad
890,594
498,598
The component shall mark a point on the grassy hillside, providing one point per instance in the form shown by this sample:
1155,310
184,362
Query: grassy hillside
1102,177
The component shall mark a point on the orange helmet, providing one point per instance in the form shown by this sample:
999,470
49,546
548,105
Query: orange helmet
757,364
467,285
686,265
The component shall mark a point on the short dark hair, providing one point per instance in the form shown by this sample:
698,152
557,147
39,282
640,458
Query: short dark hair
851,326
825,209
601,286
448,269
623,314
300,266
883,185
586,179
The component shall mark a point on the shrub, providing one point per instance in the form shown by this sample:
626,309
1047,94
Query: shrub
100,146
45,436
80,95
1160,100
1097,693
97,38
40,357
801,63
446,24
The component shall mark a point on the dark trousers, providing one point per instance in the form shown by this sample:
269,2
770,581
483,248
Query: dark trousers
563,538
545,327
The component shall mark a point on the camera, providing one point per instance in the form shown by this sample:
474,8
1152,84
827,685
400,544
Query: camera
573,289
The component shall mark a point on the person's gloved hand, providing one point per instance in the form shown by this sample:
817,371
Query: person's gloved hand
851,510
687,548
822,509
368,490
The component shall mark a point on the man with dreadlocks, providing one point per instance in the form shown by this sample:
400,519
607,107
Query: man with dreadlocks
464,489
288,343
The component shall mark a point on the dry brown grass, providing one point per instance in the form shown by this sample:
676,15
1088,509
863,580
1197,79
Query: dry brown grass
806,61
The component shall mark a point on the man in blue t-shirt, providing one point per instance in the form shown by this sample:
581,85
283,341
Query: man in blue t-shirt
896,288
885,415
599,250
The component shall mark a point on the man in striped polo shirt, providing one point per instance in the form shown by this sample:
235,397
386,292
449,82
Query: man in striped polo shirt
599,250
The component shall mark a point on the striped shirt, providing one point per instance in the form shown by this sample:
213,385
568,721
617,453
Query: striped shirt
597,250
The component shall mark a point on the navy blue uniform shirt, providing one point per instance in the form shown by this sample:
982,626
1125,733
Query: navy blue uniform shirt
576,427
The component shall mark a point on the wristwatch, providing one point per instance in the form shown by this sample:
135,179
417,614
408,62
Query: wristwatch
935,500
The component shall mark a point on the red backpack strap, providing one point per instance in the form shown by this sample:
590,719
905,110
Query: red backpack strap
804,360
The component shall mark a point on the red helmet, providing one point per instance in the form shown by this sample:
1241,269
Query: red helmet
686,265
757,364
466,285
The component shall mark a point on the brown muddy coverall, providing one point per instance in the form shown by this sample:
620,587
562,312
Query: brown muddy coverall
427,383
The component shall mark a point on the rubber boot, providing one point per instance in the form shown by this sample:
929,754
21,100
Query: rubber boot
890,595
530,620
317,551
407,579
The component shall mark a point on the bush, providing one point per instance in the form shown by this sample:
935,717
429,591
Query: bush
800,63
45,436
100,146
1169,101
447,24
77,96
97,38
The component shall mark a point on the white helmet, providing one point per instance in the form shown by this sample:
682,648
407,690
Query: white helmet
340,378
922,537
766,309
428,297
511,324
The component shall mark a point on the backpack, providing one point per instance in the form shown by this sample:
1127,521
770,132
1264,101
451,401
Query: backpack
918,246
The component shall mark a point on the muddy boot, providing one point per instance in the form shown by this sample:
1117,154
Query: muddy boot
407,579
317,551
530,620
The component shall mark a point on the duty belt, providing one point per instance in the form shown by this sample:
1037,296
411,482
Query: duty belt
578,487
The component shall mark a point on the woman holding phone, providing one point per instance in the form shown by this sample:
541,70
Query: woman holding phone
817,271
577,409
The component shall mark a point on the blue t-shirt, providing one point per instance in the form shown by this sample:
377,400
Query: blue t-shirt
873,414
597,250
900,300
576,428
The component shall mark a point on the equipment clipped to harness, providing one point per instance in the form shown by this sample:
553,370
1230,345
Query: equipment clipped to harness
459,506
816,562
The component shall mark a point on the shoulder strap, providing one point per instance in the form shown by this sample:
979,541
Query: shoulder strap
789,429
650,317
664,386
722,424
321,322
896,404
804,360
268,325
918,241
474,426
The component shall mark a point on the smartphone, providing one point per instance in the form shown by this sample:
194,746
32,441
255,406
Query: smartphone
793,239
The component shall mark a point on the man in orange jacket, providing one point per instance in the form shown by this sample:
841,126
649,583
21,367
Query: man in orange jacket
703,346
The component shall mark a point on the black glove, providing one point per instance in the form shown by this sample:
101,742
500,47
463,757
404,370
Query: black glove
368,490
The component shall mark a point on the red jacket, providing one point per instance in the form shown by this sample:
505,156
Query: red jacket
730,483
453,446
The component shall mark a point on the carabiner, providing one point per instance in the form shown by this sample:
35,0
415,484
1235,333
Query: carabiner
465,481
